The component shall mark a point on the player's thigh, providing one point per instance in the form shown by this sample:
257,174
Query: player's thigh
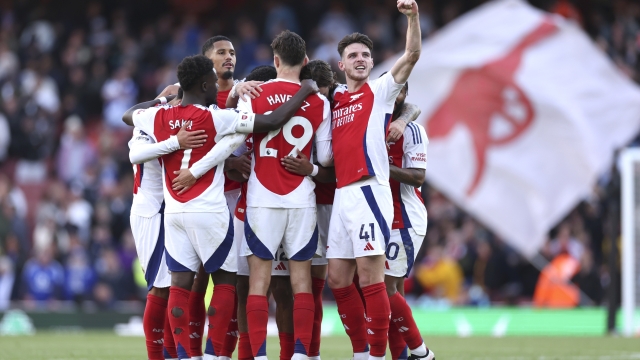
149,238
367,212
339,245
212,236
264,230
181,255
238,239
301,235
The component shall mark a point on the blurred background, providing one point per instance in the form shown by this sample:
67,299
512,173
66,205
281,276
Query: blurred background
68,71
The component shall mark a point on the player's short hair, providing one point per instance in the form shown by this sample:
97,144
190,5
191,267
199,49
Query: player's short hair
191,69
208,45
320,71
290,47
406,85
262,73
355,38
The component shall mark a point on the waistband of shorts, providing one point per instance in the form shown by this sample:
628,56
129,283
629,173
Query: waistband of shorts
360,183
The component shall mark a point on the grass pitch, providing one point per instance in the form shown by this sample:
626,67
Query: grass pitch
106,345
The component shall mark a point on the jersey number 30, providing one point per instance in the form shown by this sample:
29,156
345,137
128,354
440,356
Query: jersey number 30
297,142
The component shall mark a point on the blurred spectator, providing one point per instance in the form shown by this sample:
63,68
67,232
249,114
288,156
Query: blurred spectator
79,276
43,277
554,288
564,242
7,279
440,275
588,280
119,94
75,153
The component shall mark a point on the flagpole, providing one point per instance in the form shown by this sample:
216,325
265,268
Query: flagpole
613,210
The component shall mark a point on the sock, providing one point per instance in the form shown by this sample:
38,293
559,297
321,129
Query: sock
351,310
219,315
169,344
286,346
303,310
257,318
179,318
356,282
244,347
314,347
153,323
396,342
378,312
197,316
231,338
402,317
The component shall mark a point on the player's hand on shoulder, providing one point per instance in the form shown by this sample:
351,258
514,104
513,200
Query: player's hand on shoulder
298,165
309,86
191,139
168,91
183,182
396,129
250,89
408,7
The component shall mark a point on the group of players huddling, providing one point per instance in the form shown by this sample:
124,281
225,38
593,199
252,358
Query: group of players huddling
322,181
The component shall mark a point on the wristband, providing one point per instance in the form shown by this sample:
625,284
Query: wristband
315,170
163,100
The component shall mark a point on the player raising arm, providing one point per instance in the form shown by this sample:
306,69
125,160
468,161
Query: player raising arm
363,206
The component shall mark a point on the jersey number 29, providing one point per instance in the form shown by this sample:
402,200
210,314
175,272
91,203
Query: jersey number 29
297,142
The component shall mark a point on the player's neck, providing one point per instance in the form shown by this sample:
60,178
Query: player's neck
289,74
224,85
188,99
355,85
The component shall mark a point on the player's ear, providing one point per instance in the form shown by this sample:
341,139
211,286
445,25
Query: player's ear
340,65
276,61
305,61
203,86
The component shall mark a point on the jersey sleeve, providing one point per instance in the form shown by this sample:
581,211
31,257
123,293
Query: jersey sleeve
386,89
144,119
415,147
241,149
218,154
229,121
324,150
143,148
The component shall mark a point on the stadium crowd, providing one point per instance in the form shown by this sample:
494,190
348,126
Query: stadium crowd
66,78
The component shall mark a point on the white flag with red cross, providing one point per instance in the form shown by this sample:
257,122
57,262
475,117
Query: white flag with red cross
523,113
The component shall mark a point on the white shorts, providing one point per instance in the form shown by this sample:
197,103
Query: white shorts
238,239
266,228
324,217
231,197
360,221
402,251
148,234
199,238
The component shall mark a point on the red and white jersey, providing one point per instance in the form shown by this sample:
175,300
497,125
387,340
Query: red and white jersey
241,205
229,185
409,152
147,180
161,122
270,184
359,128
325,192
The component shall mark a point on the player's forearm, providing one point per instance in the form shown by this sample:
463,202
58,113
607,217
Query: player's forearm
232,102
413,177
408,113
326,174
280,116
127,118
218,154
141,153
414,39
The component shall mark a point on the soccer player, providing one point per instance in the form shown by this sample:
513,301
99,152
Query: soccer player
147,227
407,164
197,221
280,205
363,206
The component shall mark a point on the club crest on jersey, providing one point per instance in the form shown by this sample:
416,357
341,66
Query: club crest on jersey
355,97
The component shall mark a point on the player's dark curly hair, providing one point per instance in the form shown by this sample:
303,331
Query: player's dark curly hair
290,47
191,69
320,71
262,73
355,38
208,45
